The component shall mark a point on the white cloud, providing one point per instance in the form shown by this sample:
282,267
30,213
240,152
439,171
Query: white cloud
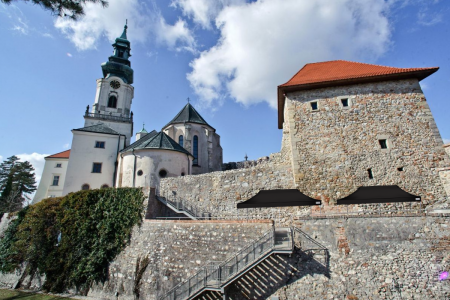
20,26
47,35
176,37
66,146
203,12
69,54
427,18
37,161
263,43
16,18
142,24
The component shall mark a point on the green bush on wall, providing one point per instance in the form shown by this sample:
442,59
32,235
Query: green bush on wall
94,227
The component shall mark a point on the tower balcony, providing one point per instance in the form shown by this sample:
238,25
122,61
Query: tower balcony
108,117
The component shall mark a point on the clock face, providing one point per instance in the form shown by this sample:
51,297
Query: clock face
115,84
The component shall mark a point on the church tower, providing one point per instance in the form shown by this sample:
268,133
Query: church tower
114,95
107,127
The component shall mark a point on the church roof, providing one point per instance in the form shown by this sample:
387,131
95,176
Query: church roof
188,115
155,140
98,128
341,72
139,142
64,154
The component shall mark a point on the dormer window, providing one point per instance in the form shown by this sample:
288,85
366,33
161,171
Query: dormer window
112,101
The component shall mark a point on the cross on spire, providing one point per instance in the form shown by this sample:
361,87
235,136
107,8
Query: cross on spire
188,99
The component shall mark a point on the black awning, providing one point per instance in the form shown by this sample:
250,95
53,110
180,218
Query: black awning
378,194
278,198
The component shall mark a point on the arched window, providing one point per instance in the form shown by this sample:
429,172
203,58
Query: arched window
105,186
112,101
195,150
180,140
85,187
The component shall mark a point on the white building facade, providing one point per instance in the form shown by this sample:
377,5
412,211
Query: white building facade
102,154
53,176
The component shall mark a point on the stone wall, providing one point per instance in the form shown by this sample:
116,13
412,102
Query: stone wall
176,250
334,258
355,258
218,193
335,146
444,174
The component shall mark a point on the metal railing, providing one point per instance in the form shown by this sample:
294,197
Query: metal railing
183,205
108,117
216,275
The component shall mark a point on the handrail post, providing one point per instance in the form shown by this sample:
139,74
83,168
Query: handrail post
189,286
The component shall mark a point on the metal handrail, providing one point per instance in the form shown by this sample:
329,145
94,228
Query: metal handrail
213,275
183,205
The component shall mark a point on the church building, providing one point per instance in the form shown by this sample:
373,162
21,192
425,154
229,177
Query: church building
102,154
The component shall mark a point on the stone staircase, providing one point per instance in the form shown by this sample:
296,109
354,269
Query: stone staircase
181,206
216,277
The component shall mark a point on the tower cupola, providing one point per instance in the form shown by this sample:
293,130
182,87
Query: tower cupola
118,64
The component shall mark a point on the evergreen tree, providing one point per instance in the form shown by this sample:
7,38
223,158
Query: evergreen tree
16,181
67,8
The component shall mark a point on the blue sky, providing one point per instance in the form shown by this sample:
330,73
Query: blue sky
227,56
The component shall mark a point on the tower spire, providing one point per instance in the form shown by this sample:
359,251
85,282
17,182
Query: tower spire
124,33
118,64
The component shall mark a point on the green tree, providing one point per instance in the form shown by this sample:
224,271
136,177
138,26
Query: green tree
16,181
63,8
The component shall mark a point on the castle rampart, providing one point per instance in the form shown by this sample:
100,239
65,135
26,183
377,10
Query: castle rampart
386,129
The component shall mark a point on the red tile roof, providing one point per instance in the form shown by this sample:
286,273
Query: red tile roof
341,72
64,154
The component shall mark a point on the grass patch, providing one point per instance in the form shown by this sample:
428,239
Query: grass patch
12,295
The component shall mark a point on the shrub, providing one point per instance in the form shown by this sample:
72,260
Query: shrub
94,227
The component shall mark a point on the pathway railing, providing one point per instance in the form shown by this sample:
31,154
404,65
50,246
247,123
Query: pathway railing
183,206
216,275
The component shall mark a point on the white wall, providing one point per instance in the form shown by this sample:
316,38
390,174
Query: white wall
82,156
151,161
46,188
120,127
124,95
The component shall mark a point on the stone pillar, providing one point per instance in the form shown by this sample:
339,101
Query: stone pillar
187,138
209,137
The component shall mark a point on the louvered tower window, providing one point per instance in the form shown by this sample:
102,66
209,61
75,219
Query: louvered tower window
112,102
